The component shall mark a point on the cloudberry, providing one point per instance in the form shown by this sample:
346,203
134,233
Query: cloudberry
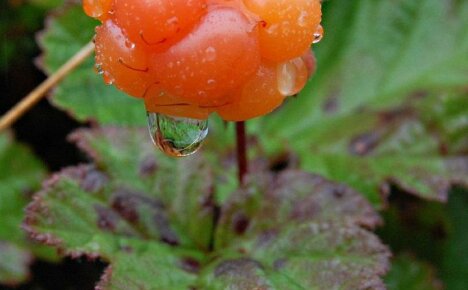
190,58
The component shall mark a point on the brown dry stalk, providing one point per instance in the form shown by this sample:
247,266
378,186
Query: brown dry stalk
40,91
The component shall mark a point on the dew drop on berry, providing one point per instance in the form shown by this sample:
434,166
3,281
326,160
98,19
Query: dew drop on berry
292,75
318,34
286,26
210,53
286,78
99,69
302,20
176,136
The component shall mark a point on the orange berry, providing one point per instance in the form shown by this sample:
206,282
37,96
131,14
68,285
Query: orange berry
220,54
155,22
121,62
262,93
257,97
288,26
158,101
189,58
97,8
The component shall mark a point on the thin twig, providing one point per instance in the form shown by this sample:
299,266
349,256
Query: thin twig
241,151
40,91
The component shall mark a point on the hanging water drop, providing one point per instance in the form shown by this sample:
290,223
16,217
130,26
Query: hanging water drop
318,35
286,78
291,76
177,136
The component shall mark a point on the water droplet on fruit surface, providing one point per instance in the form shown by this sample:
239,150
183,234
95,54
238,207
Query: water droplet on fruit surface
211,83
210,53
99,69
177,136
172,21
286,74
108,78
302,20
129,44
291,76
318,35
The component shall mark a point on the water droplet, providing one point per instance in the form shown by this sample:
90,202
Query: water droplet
108,78
318,35
272,29
211,83
176,136
210,53
291,76
172,21
129,44
302,20
99,69
286,74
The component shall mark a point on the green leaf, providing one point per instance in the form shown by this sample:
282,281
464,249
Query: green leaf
434,233
83,93
14,263
20,173
19,22
410,274
143,212
153,219
455,248
364,119
296,231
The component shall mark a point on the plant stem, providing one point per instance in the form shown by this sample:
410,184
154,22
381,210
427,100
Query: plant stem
241,151
40,91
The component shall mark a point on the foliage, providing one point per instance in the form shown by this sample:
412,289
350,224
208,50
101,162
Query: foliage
387,106
18,22
369,111
409,273
20,174
433,232
385,69
151,216
455,247
83,92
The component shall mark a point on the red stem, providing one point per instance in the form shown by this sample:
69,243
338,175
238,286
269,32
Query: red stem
241,151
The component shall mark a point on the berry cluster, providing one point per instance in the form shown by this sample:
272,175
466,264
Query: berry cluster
189,58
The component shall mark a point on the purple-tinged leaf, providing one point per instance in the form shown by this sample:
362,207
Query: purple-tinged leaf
152,218
20,173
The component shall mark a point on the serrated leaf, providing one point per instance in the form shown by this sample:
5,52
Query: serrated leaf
291,197
410,274
133,209
297,231
379,58
20,173
128,158
152,219
83,93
